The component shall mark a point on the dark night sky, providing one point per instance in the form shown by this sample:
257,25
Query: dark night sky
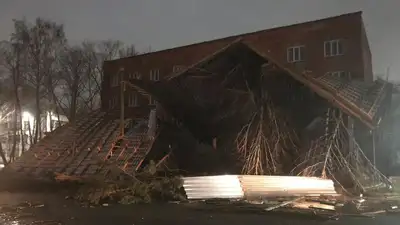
168,23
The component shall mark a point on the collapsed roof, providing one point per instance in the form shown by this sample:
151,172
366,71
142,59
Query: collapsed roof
90,146
362,100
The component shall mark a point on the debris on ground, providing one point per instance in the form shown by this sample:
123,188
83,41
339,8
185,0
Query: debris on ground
133,191
272,194
313,205
283,204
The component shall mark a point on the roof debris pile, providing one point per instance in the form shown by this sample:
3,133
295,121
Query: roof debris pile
90,147
366,98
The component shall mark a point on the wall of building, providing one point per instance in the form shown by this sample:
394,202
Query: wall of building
273,42
366,55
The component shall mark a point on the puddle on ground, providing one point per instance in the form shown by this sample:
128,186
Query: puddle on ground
21,215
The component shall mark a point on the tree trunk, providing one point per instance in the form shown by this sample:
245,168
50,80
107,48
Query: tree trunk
30,133
37,116
17,106
53,100
3,155
74,97
21,130
19,114
15,128
72,112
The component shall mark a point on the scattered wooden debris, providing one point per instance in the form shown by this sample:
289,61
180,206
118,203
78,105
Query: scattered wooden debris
283,204
374,213
63,177
313,205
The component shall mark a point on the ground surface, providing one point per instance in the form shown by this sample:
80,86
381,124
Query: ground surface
46,204
52,208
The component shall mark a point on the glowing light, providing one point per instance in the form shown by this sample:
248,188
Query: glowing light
27,116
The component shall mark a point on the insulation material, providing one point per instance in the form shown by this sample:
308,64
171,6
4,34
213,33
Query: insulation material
251,186
256,186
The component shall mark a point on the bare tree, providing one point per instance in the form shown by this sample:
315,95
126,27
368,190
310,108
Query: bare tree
58,76
96,53
105,50
41,40
5,109
73,64
128,51
12,58
82,73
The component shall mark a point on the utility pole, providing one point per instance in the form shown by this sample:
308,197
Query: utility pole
122,108
387,73
374,155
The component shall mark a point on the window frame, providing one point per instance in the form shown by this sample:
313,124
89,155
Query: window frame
291,54
177,68
113,102
340,74
155,75
334,44
133,100
114,81
152,101
135,75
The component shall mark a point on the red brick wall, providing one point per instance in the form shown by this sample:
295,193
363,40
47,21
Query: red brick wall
366,53
273,42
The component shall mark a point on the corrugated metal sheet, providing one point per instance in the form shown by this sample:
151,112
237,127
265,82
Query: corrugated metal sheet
209,187
256,186
368,96
251,186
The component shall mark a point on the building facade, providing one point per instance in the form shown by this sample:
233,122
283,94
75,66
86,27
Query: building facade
336,45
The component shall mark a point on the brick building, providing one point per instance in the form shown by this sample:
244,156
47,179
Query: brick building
336,45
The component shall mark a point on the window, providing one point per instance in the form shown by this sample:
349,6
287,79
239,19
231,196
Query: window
177,69
295,54
340,74
113,102
333,48
132,100
26,125
152,101
135,75
155,75
114,81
